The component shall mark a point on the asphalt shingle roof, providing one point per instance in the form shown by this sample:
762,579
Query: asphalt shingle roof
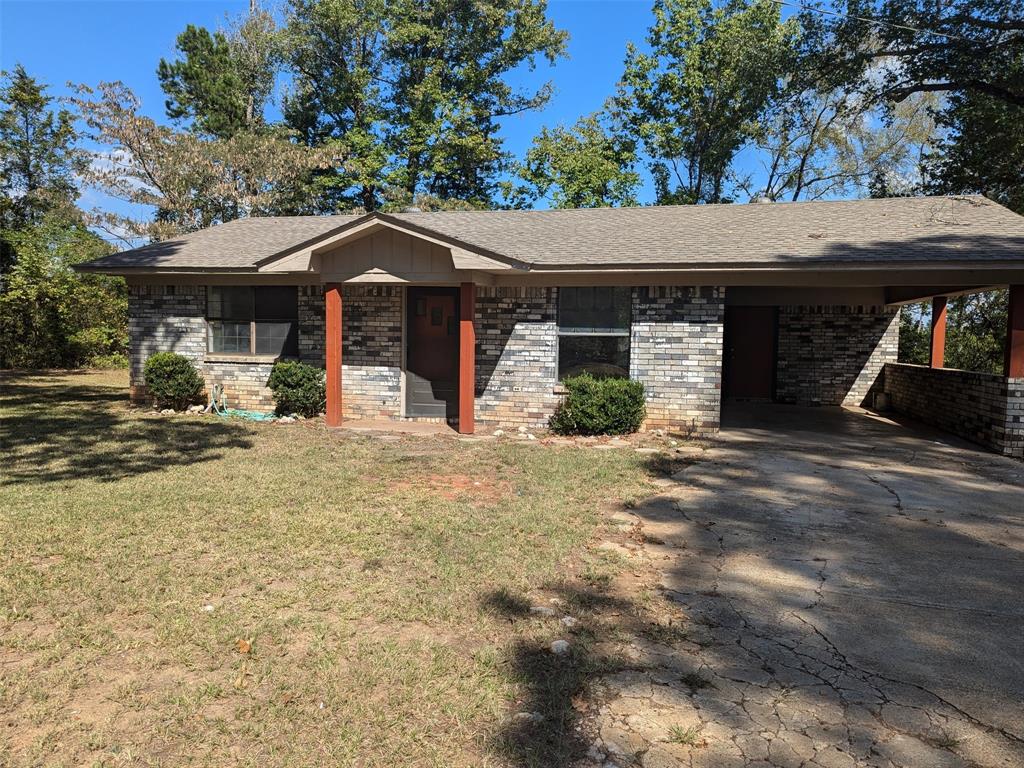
922,229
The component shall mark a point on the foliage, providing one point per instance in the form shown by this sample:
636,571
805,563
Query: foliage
599,406
413,90
192,181
971,52
223,81
38,157
172,380
298,388
697,96
982,150
975,332
50,316
817,145
588,165
915,334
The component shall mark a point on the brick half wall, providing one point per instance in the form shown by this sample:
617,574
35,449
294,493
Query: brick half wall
984,408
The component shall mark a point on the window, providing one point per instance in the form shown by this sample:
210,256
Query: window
593,331
253,321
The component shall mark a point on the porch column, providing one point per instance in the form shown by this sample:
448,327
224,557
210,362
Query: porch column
1015,334
332,302
938,356
467,356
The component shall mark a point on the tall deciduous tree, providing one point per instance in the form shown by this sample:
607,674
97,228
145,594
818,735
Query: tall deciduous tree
590,164
815,145
38,157
415,90
192,181
971,53
696,96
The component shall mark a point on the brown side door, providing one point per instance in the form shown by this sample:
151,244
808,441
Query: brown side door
433,350
749,364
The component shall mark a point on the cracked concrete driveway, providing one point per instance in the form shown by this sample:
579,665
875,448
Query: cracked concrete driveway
856,590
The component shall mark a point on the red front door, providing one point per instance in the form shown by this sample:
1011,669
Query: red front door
433,350
749,365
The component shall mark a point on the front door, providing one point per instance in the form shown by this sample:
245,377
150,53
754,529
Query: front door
749,364
432,352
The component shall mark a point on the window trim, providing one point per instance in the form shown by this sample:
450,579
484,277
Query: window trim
251,353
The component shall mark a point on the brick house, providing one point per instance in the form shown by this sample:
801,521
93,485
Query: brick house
475,316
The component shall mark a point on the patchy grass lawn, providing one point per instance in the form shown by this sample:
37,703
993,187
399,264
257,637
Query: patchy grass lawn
187,590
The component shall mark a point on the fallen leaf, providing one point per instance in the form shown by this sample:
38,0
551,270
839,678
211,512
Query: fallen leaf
244,646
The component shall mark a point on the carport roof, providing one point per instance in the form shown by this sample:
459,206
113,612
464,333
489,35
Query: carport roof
942,231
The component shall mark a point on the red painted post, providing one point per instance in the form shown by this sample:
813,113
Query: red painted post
467,357
332,303
1015,333
938,357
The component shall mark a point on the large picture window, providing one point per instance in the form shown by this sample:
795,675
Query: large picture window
593,331
261,320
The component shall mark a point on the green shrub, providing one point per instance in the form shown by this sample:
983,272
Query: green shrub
172,380
592,406
298,388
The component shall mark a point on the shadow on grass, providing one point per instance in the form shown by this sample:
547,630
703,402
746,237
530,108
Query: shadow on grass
547,730
55,432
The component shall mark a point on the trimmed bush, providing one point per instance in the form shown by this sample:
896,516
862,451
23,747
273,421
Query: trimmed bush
298,388
605,406
172,380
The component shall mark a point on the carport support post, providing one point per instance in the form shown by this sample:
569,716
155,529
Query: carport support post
332,319
467,356
938,357
1015,333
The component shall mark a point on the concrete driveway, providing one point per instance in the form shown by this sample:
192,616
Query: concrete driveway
857,589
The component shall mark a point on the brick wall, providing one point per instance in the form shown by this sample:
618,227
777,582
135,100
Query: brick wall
172,318
982,407
516,355
371,351
834,355
676,351
164,318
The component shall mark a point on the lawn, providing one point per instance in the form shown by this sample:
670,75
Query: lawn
191,591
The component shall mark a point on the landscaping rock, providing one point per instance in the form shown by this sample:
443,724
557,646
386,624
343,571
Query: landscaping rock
560,647
499,433
569,621
167,412
196,409
542,610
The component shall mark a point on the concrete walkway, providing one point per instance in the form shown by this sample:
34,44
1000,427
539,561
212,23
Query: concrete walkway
855,590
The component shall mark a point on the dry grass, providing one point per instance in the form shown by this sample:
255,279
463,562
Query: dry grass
188,591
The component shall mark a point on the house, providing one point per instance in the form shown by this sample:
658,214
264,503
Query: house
474,316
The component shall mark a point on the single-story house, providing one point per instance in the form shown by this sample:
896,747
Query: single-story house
475,316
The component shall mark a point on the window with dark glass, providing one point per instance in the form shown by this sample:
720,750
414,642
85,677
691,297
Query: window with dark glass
260,320
593,331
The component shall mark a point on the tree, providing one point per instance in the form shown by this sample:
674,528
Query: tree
971,53
588,165
414,90
38,157
222,81
976,331
49,315
697,96
815,145
191,181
